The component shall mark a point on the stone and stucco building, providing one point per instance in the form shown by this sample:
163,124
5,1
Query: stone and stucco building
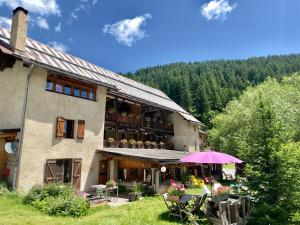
76,122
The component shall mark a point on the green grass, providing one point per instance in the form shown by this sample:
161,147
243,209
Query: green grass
229,166
150,210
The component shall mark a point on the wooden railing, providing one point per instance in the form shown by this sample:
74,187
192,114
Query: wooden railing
144,145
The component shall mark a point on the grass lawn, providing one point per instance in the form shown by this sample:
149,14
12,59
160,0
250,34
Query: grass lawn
150,210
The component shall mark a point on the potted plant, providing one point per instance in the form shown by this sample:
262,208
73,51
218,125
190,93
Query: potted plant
111,141
111,184
147,144
154,145
147,120
130,115
124,143
124,113
161,144
138,190
132,143
111,110
222,194
139,144
175,192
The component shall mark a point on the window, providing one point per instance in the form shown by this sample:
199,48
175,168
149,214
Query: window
84,93
71,87
67,90
59,88
76,92
49,85
69,129
92,95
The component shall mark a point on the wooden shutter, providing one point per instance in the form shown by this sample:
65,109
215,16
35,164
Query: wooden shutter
60,127
80,129
50,171
76,176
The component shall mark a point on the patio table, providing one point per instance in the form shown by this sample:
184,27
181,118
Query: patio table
107,190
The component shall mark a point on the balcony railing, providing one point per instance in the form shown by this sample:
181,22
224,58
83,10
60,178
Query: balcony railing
137,145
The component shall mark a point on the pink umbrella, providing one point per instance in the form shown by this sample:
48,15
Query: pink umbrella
209,157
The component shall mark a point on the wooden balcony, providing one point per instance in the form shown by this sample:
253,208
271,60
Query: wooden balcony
137,145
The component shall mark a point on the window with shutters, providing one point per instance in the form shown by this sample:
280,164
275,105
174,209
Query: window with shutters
69,129
64,128
64,171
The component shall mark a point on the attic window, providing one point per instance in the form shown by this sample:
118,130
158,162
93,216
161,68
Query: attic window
71,87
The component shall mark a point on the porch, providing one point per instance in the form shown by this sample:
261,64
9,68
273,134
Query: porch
130,166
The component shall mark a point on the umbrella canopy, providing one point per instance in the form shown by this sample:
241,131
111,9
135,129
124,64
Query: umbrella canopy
209,157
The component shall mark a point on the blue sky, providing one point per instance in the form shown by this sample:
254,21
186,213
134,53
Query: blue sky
125,35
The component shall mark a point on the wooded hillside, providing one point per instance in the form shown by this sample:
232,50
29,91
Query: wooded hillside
204,88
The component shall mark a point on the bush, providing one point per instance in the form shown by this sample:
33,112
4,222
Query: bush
35,194
3,189
57,199
63,206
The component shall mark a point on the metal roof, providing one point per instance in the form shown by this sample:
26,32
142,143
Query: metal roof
53,59
155,155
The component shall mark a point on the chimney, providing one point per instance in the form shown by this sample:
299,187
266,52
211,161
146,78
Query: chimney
19,27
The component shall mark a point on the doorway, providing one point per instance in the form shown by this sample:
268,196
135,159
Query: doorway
103,164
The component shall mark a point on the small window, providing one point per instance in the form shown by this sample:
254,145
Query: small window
76,92
59,88
67,90
69,129
83,93
92,95
49,85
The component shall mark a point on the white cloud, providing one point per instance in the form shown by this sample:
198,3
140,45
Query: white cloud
41,7
5,22
217,9
84,6
42,23
58,27
58,46
128,31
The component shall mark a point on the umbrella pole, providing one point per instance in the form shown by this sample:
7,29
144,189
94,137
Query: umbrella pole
211,181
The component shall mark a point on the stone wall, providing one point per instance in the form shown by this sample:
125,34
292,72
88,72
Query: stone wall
40,142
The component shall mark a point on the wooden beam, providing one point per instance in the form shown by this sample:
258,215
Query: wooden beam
8,134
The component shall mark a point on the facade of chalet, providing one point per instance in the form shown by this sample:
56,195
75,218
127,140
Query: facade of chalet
78,123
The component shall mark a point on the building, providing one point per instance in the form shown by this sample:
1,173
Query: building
73,121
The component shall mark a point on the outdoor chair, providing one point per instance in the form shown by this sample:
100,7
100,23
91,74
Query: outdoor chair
198,203
173,184
227,176
174,208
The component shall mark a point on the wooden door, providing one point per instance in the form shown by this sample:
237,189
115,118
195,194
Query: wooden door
3,155
76,173
103,164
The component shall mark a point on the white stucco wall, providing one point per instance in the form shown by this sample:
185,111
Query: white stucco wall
40,142
12,86
185,133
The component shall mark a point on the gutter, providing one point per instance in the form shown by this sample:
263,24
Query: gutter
19,152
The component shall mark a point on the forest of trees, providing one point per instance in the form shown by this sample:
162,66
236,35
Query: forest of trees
204,88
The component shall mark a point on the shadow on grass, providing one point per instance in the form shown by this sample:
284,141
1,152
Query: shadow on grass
165,216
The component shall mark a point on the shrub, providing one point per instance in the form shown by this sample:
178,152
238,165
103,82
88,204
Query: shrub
57,199
3,188
33,195
63,206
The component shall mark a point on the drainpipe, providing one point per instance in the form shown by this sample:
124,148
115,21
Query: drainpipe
23,113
